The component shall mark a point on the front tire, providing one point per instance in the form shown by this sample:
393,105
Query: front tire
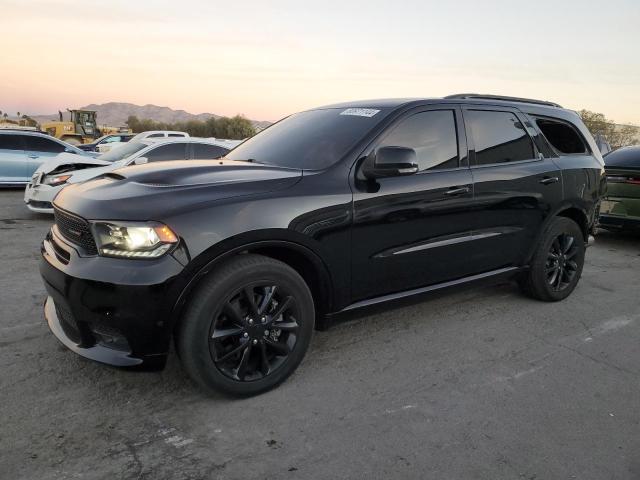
557,263
247,327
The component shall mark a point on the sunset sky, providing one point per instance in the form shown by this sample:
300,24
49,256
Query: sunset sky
265,59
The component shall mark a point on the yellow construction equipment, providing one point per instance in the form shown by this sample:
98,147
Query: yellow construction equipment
80,128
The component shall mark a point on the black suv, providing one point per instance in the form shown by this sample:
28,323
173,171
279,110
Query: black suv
326,211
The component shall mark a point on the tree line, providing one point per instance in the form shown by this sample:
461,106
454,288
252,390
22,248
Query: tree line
235,128
23,120
616,135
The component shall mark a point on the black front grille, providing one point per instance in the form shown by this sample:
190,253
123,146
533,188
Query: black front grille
76,230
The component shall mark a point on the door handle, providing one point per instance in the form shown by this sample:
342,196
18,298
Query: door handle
549,180
457,191
33,156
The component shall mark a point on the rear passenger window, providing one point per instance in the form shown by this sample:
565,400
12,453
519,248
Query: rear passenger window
432,135
499,137
176,135
10,142
561,136
173,151
203,152
41,144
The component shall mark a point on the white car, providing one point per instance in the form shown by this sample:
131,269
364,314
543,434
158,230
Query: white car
67,168
107,147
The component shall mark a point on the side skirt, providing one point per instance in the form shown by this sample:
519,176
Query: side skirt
506,272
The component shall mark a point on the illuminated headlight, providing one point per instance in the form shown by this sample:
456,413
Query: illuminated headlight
133,240
56,180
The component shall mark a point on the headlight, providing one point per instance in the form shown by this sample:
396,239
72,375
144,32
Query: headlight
56,180
133,240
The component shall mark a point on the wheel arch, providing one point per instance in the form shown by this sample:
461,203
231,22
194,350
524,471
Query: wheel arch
301,258
566,210
579,216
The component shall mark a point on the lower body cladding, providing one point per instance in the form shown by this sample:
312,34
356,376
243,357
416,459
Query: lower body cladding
114,311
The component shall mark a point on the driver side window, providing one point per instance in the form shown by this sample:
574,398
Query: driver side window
432,135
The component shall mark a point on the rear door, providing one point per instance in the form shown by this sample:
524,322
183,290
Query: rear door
412,231
13,159
516,186
39,149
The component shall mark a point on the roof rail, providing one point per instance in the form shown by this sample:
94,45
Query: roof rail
480,96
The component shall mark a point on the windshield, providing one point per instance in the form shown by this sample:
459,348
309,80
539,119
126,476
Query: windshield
311,140
123,151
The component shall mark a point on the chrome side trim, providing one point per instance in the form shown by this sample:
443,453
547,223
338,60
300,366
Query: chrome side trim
447,240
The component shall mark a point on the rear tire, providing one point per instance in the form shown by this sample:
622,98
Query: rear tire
557,264
247,327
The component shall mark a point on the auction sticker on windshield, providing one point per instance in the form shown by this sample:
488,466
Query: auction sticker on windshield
360,112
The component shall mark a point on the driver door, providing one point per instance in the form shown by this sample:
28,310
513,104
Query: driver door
413,231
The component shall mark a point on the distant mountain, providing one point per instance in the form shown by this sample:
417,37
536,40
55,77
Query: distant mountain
116,114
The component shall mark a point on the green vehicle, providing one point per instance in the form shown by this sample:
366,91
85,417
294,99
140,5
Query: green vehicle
620,209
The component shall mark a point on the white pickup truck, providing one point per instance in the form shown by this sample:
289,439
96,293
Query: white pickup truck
142,135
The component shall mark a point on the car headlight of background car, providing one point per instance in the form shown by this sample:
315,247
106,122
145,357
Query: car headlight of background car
55,180
133,240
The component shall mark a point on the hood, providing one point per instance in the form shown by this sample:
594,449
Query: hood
159,190
64,162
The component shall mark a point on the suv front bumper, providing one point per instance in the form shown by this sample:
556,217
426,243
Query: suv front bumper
115,311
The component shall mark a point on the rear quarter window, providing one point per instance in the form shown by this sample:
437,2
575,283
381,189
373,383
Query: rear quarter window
562,136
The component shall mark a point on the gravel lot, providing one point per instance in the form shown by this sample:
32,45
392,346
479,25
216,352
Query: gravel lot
481,383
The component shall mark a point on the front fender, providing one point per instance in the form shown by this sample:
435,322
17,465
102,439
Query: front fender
260,241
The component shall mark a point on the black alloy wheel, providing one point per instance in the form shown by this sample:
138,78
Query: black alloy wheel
247,327
557,262
254,332
561,267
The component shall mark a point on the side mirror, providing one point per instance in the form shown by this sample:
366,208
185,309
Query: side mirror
141,161
390,162
68,150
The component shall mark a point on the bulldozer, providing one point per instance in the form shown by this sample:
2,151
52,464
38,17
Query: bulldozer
81,127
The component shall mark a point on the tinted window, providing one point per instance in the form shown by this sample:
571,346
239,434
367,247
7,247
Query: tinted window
309,140
498,137
432,135
41,144
562,136
10,142
173,151
202,151
155,135
176,135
